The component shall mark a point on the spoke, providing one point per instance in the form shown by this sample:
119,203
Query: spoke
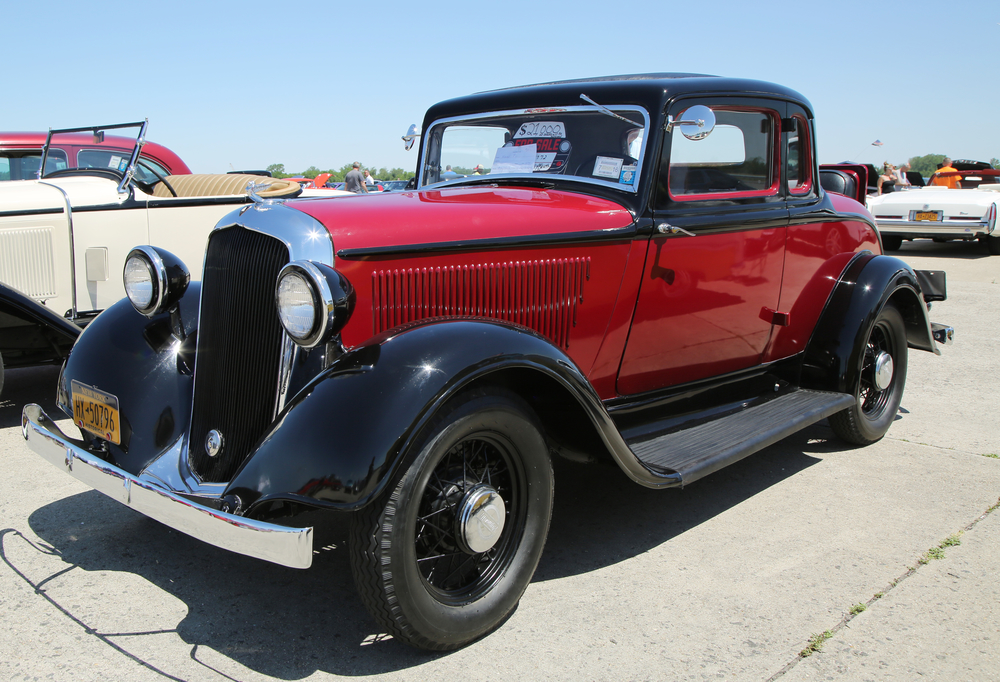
469,558
440,556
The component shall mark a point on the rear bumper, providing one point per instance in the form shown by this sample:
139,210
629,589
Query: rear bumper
929,230
292,547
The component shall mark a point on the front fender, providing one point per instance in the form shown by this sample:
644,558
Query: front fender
140,362
343,437
834,355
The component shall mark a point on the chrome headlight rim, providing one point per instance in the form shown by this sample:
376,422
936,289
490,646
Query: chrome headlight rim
324,305
158,271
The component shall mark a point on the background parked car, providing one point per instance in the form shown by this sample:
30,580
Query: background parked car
21,153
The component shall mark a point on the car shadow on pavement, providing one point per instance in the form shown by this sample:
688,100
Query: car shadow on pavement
954,250
289,624
28,385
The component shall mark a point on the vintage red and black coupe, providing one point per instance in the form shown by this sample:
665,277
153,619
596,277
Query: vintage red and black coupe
642,268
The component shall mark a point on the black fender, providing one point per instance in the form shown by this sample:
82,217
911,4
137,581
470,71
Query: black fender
141,362
30,333
834,354
346,434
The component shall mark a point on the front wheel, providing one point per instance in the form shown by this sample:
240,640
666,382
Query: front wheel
444,556
878,389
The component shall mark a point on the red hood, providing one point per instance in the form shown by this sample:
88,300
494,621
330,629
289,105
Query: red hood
434,216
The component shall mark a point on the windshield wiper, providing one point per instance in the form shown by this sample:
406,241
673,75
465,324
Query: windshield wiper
604,110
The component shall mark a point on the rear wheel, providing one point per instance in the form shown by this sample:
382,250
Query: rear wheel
445,556
993,244
878,389
1,375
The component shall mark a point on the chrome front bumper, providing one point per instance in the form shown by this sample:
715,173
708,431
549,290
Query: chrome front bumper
292,547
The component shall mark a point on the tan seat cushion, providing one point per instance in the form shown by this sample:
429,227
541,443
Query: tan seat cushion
204,185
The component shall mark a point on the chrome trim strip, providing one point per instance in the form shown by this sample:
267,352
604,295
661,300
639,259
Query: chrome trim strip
72,240
282,545
632,189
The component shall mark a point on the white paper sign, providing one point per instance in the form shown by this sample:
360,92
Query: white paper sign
515,160
607,167
541,129
114,161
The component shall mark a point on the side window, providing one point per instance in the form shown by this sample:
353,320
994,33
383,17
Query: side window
102,158
735,161
24,165
798,161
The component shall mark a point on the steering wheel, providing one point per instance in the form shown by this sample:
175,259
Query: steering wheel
161,178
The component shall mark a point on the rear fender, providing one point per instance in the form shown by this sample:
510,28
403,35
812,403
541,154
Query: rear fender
344,436
139,361
834,354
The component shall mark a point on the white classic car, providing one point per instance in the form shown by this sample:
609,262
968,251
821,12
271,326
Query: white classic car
64,238
943,214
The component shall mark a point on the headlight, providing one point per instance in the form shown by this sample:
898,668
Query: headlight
314,301
155,279
297,306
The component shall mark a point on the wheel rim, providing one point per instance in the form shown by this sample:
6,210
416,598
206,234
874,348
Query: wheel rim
877,373
469,473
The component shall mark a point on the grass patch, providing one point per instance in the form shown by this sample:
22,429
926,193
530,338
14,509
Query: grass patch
991,455
951,541
816,643
857,608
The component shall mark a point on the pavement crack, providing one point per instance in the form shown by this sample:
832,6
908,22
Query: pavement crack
815,643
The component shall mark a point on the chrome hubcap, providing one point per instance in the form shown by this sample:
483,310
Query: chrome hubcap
883,370
480,519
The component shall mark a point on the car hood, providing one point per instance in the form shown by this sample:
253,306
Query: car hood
460,214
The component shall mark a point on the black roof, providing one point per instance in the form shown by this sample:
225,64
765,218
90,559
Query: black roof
650,90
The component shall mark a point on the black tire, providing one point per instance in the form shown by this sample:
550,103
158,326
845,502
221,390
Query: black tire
1,375
875,408
412,563
891,242
993,244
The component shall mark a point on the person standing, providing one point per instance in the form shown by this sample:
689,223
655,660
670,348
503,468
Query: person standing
354,181
946,176
901,179
369,180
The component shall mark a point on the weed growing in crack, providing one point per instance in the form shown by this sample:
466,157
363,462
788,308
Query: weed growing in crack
816,643
857,608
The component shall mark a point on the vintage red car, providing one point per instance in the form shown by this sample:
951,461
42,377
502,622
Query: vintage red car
640,268
21,154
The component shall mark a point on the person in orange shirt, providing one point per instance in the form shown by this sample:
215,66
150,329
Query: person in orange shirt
950,179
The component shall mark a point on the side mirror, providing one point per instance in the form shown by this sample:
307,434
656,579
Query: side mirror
411,136
696,123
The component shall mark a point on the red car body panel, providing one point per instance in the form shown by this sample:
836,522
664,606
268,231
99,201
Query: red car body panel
73,143
698,313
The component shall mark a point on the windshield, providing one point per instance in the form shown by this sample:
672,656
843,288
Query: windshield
582,142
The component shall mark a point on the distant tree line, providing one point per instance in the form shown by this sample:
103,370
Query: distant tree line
337,175
927,164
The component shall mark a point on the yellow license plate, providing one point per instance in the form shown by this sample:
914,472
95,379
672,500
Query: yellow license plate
931,216
97,412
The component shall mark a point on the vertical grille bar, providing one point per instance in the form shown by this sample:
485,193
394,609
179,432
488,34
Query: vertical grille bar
542,295
239,348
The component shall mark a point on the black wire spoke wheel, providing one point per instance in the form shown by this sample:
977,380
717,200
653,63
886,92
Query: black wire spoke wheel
443,557
879,383
872,398
459,573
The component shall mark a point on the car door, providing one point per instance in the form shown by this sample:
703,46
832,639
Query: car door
712,278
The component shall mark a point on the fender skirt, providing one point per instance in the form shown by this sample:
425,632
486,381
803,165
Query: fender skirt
835,353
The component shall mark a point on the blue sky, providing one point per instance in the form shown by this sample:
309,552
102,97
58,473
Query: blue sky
247,84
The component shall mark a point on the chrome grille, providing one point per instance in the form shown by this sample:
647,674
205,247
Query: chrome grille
239,348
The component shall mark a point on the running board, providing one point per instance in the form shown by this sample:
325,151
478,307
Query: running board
703,449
